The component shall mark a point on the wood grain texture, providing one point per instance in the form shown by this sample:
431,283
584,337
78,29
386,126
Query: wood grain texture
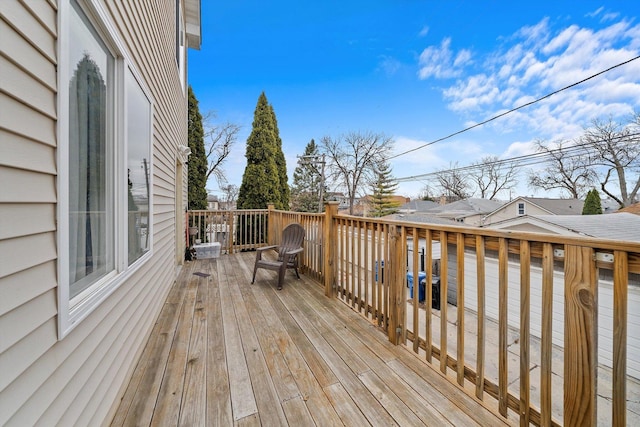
620,295
289,357
580,334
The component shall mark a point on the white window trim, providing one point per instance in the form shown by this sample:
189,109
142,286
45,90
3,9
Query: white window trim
69,316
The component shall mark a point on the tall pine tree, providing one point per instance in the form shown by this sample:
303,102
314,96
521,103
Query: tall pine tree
383,187
197,164
282,167
592,203
261,181
305,192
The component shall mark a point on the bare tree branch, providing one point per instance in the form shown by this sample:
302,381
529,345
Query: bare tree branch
492,177
218,140
352,159
617,149
566,170
454,183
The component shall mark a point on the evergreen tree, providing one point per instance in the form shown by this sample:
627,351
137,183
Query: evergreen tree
305,192
383,188
282,167
197,164
261,179
592,204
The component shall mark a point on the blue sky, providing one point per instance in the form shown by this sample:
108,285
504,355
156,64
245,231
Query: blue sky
417,71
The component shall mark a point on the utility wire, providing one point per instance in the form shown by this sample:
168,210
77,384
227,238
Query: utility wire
532,159
514,109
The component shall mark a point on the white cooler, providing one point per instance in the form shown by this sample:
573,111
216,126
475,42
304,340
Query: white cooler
207,250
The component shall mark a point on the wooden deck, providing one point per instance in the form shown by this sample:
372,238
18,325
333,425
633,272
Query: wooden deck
225,352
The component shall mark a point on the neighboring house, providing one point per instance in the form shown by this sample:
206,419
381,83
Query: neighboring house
469,212
212,202
533,206
93,145
621,226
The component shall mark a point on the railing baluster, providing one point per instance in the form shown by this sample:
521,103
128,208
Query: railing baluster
366,270
525,285
480,347
547,331
503,302
620,290
428,292
444,273
416,290
460,308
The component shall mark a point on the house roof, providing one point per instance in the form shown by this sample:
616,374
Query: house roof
558,206
418,206
622,226
423,218
633,209
466,207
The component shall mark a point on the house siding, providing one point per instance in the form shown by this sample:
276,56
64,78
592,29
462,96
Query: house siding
510,210
80,378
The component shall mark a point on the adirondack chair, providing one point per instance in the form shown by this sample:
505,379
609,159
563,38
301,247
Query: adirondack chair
288,250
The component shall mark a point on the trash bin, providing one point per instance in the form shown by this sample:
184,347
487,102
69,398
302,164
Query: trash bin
422,276
381,271
435,292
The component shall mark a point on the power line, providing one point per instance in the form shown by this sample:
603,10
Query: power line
532,159
513,110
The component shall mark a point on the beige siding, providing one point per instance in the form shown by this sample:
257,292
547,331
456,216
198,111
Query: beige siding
510,210
79,379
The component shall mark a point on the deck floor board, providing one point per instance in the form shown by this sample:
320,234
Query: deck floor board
225,352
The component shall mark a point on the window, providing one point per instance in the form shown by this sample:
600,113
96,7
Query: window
138,118
180,43
520,208
91,225
105,133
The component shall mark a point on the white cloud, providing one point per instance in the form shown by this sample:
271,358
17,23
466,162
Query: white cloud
439,61
538,60
424,31
389,65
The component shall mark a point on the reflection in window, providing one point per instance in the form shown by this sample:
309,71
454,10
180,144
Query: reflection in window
90,195
138,142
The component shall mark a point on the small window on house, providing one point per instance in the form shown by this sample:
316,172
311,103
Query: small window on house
180,43
521,208
138,118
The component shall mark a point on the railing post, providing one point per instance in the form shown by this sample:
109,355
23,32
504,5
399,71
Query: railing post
270,224
328,242
396,284
580,336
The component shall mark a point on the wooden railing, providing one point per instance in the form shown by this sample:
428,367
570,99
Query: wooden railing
508,304
235,230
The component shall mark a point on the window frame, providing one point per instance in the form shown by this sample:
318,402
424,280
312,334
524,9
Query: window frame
71,311
521,208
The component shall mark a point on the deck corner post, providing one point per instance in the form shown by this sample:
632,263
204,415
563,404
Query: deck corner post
397,328
329,240
580,336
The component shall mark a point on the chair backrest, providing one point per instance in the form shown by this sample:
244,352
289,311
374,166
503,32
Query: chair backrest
292,238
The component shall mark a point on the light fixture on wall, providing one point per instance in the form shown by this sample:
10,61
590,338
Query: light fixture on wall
183,152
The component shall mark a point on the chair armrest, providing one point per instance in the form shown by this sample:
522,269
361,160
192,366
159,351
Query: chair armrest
291,254
265,248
